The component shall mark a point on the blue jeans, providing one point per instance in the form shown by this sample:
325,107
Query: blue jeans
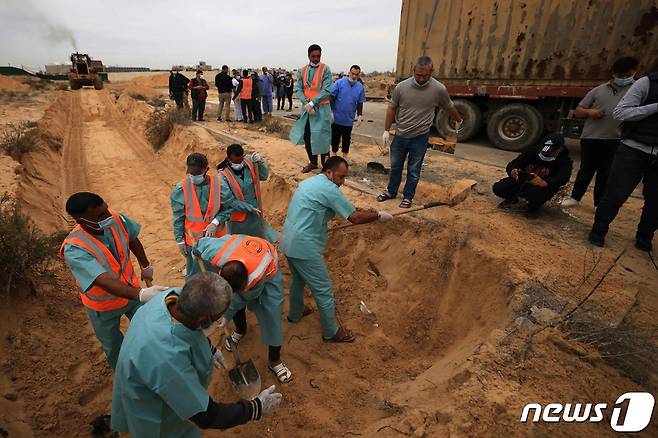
266,101
415,147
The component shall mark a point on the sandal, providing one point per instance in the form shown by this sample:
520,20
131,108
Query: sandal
342,335
307,311
309,167
282,372
236,339
384,197
406,203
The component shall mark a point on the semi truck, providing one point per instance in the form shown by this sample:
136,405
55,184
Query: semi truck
517,68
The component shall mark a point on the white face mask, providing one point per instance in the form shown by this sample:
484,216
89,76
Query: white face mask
313,64
197,179
237,166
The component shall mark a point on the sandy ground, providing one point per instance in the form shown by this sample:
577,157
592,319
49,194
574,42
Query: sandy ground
453,292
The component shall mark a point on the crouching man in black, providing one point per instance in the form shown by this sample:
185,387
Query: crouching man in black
535,176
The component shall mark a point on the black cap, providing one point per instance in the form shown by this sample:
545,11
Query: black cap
552,145
197,159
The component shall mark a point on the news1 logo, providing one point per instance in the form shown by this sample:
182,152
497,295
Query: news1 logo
638,407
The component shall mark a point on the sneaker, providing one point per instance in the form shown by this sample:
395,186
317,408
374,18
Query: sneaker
569,202
596,238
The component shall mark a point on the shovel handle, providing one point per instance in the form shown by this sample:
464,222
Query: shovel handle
399,213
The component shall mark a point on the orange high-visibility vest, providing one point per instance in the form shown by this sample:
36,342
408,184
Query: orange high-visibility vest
313,89
97,298
245,93
195,220
258,255
239,216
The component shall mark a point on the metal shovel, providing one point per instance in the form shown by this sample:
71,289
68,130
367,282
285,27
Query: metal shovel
244,377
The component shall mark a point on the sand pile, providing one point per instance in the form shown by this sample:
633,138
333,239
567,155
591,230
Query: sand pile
159,80
141,92
7,83
377,86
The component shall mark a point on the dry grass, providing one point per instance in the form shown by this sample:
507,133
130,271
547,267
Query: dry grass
161,122
18,139
157,103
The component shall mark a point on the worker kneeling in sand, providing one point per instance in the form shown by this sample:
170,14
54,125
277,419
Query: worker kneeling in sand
251,266
165,365
314,203
97,251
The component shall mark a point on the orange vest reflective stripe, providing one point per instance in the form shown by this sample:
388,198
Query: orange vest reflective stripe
313,89
97,298
245,93
258,255
239,216
195,220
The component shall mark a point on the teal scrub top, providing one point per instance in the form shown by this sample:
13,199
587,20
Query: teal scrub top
162,375
177,199
84,266
316,201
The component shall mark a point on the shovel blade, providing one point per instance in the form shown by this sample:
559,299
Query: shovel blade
377,167
245,380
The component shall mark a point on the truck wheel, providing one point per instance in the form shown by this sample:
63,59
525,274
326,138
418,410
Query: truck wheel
515,127
471,114
98,83
75,85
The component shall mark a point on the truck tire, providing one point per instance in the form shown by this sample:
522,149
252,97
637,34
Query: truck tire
515,127
98,83
74,85
472,115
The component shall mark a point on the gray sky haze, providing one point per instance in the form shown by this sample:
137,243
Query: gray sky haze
157,34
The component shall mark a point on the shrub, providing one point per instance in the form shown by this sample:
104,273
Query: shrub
25,252
157,103
161,122
63,86
137,96
40,84
17,140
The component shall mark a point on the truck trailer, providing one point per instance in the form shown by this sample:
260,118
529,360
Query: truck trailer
517,68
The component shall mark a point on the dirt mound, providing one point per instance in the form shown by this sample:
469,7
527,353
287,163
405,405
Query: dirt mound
8,83
133,111
141,92
159,80
377,86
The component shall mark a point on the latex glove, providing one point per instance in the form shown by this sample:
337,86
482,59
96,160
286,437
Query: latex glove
309,109
210,230
149,292
182,247
147,273
269,400
218,359
359,120
222,322
384,216
386,137
256,157
257,212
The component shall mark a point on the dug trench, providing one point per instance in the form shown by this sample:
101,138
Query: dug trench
442,302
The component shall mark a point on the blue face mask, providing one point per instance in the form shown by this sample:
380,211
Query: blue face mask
197,179
105,224
624,82
545,158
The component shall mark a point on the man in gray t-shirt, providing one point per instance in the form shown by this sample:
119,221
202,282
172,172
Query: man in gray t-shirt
413,105
600,137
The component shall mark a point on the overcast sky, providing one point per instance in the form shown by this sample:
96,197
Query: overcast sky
159,33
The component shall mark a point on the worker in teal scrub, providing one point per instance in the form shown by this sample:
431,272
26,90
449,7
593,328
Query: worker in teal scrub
197,213
239,173
251,266
316,201
313,128
97,251
165,365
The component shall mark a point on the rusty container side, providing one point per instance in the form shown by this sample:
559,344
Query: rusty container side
527,42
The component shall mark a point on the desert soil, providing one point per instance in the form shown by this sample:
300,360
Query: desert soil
453,293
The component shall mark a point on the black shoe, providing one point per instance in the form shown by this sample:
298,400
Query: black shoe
596,238
219,119
643,243
507,203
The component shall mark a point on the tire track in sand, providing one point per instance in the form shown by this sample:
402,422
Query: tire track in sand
74,172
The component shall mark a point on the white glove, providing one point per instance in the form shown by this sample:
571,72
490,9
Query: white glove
182,247
210,230
309,109
386,138
147,273
222,322
269,400
256,157
384,216
359,120
149,292
218,359
257,211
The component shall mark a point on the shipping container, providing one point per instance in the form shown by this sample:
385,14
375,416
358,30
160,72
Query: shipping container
518,66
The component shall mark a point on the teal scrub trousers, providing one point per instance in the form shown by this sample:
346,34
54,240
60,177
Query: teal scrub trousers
108,331
312,272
